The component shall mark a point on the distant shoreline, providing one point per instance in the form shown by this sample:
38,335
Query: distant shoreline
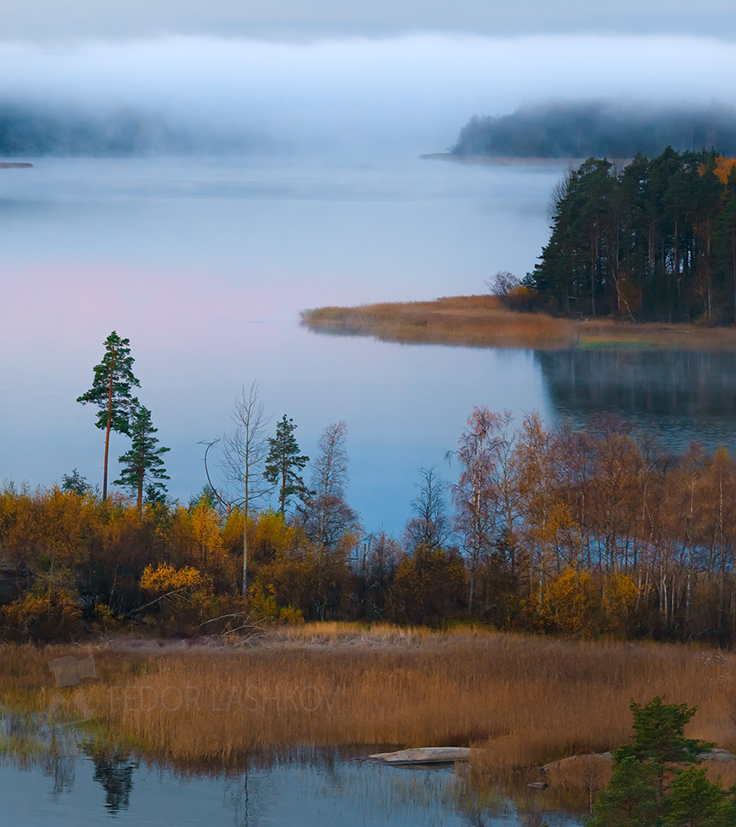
482,321
15,165
501,160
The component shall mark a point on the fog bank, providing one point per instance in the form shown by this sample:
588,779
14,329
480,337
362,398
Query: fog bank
358,96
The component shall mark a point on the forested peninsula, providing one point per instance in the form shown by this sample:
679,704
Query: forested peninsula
643,255
604,128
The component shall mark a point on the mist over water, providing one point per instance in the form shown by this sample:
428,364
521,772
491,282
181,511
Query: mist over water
354,97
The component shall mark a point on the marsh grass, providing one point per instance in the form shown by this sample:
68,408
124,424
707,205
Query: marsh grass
482,321
523,701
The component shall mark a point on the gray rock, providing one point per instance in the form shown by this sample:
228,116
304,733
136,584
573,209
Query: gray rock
716,755
423,755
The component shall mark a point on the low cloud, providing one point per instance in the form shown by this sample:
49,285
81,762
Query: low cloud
410,93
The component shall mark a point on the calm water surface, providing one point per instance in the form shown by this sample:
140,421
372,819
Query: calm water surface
78,786
205,265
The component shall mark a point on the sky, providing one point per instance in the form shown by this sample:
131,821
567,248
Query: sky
358,76
56,20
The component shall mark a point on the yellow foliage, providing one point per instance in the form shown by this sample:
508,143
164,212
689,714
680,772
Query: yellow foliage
269,536
262,603
52,615
569,602
290,615
264,606
206,526
165,578
105,618
619,600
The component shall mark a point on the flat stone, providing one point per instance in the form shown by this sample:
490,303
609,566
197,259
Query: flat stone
716,755
423,755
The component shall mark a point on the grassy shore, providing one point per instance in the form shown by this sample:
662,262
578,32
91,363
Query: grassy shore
482,321
524,701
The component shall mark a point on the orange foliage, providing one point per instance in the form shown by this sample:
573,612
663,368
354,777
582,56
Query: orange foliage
723,168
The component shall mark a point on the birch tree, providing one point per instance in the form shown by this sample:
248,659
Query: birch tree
244,452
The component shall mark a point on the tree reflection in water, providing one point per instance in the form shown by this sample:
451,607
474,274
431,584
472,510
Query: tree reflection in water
679,395
114,771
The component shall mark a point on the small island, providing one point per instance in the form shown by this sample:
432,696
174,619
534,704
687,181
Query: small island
483,321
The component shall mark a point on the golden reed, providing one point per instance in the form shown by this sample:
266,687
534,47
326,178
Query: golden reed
525,700
482,321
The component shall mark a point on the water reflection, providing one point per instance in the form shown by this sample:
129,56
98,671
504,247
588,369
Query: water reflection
62,785
114,769
680,395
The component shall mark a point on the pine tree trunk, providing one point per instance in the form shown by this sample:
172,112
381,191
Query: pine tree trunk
140,495
109,426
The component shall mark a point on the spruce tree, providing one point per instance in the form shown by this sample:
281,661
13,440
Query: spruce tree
143,462
284,461
112,382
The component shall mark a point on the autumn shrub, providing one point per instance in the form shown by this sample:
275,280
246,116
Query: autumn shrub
263,606
569,604
522,299
620,596
43,616
176,598
429,587
104,619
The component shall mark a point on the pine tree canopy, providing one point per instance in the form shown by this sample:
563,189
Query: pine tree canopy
284,461
143,462
112,383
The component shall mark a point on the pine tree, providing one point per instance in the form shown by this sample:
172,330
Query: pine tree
75,483
284,462
143,461
659,738
695,801
631,797
112,382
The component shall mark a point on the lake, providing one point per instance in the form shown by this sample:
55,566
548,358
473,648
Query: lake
205,264
71,781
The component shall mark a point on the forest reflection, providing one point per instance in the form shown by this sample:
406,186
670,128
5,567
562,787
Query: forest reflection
679,395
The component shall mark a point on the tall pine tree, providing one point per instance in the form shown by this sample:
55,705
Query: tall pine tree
112,382
284,462
143,462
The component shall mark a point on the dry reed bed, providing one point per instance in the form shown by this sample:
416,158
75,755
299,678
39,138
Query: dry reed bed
525,700
482,321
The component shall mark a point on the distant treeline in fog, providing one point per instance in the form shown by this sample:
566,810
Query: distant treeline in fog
609,129
28,131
